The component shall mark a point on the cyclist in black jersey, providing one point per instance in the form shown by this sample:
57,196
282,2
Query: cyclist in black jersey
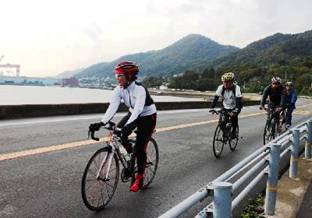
142,114
276,93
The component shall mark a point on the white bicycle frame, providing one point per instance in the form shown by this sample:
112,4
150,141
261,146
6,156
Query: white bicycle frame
109,157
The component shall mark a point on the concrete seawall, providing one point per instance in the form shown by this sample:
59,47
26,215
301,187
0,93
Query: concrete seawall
27,111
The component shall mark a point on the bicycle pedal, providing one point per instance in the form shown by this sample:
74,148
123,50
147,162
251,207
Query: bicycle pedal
125,175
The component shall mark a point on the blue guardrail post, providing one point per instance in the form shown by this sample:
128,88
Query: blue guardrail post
222,200
308,145
271,187
293,168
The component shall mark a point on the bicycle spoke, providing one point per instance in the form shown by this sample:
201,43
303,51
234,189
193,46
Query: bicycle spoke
87,188
109,194
148,164
148,170
107,183
90,180
97,162
93,173
102,195
98,202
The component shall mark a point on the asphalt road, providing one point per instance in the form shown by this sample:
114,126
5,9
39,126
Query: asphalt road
42,162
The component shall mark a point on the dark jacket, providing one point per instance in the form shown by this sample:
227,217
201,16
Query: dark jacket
291,98
276,96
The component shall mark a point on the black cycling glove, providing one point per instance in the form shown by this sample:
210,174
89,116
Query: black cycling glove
127,129
95,126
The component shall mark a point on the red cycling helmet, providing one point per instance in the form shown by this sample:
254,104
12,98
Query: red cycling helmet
127,68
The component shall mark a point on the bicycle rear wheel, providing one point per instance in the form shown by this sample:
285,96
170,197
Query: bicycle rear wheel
234,141
152,158
96,190
218,142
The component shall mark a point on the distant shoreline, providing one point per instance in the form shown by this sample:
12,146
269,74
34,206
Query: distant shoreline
206,95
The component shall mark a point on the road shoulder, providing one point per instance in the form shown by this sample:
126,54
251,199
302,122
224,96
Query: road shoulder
291,192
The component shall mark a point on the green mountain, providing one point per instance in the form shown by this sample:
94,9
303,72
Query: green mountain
69,73
176,58
286,55
279,48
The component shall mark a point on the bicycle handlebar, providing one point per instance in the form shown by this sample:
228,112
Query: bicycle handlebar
91,133
109,126
213,111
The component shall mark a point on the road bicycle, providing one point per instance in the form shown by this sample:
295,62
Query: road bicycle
275,123
101,175
223,133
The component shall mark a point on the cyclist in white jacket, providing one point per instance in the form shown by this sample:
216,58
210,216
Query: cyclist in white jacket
141,115
231,96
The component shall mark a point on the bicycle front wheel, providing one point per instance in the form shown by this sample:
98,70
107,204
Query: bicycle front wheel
218,142
234,141
100,179
282,122
269,132
152,158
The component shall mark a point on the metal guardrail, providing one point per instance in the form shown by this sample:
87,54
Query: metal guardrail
263,163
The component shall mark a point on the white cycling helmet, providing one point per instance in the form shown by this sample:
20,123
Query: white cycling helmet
276,79
228,77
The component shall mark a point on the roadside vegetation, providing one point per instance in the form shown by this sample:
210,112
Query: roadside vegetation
255,209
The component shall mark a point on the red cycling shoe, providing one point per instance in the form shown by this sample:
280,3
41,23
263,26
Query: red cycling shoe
138,183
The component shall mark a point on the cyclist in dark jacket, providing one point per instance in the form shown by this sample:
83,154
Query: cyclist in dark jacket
290,101
276,93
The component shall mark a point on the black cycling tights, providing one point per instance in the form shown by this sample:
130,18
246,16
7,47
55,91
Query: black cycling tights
234,119
145,126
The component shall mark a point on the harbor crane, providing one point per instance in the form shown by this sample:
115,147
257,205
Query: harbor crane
16,66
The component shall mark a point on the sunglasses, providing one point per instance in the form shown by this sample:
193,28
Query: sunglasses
119,75
275,83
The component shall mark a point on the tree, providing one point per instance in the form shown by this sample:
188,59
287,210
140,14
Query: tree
153,81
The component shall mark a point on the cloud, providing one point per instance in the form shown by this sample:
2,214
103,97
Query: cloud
48,37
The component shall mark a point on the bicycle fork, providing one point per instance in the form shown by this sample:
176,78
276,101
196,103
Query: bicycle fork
108,157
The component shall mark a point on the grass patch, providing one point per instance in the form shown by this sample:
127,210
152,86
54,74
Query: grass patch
255,208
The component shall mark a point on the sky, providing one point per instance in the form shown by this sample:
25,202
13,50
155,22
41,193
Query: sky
47,37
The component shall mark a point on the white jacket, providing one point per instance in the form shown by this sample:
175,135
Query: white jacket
134,97
229,101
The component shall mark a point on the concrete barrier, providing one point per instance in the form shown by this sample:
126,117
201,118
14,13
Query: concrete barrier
42,110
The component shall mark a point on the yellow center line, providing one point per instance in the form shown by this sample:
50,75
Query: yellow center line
199,123
47,149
